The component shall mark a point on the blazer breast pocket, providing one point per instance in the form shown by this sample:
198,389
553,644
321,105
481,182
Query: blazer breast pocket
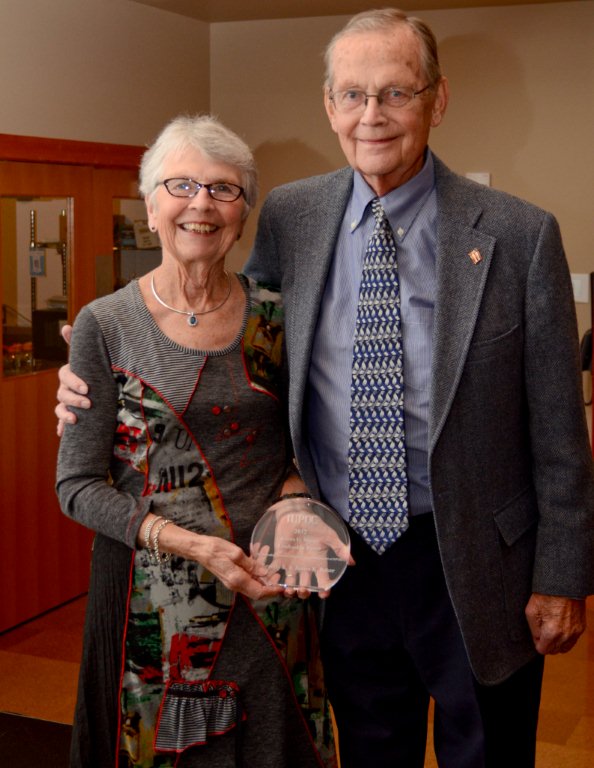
504,344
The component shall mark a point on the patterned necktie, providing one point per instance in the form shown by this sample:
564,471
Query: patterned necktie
377,454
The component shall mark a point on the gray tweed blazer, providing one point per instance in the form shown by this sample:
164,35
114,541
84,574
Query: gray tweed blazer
509,456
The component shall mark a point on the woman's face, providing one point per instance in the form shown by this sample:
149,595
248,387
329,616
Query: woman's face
196,229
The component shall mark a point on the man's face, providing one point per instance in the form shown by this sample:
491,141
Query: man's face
385,144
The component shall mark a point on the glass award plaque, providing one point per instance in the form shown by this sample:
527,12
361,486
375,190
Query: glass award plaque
300,543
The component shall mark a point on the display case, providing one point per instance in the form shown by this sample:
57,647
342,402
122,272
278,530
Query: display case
136,250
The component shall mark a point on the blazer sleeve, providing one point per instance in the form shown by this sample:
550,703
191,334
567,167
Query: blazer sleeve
263,264
560,447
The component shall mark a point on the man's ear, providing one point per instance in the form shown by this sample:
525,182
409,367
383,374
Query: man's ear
330,111
441,102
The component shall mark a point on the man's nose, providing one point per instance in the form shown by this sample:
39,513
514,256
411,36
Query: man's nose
373,107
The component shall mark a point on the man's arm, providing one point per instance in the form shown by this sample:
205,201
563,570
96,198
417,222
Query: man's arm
263,264
560,446
561,451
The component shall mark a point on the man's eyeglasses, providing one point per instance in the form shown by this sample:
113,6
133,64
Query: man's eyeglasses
223,191
393,97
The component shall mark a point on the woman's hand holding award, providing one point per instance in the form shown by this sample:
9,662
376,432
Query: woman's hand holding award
300,544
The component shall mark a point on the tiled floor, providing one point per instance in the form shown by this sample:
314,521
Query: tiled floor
39,665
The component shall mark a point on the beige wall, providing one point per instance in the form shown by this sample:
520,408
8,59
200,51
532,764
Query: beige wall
98,70
522,81
522,104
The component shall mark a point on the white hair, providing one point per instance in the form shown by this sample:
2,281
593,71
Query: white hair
386,20
211,138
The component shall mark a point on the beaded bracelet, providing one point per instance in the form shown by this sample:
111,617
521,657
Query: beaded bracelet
158,557
147,532
294,496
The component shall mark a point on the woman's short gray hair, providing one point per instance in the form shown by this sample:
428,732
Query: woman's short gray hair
384,20
211,138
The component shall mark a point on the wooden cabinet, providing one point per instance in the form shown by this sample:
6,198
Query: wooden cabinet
44,557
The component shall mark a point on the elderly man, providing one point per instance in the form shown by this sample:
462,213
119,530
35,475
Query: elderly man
477,552
435,402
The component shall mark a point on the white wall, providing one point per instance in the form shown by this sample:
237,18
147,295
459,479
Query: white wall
98,70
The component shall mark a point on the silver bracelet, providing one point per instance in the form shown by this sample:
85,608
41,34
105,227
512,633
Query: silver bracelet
147,533
298,495
158,557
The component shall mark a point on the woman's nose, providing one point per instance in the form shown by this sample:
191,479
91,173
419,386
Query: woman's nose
201,199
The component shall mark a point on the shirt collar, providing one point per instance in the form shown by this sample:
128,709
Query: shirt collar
402,205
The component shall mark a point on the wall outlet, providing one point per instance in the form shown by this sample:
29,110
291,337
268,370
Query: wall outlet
581,288
482,177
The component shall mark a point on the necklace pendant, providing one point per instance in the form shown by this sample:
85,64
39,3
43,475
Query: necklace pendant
192,316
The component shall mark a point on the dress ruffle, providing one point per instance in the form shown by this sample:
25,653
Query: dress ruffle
192,712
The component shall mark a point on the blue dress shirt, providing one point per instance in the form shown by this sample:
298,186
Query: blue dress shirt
412,212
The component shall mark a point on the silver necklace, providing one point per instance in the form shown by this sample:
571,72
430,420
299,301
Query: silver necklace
192,316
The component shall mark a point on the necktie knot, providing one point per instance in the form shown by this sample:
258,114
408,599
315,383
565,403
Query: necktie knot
378,210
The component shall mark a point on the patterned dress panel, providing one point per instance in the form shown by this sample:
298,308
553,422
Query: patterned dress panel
202,434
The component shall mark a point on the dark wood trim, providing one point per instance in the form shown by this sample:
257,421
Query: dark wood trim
68,152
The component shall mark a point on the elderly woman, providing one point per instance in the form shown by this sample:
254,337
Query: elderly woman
188,659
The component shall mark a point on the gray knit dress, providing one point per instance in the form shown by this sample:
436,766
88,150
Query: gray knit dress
177,670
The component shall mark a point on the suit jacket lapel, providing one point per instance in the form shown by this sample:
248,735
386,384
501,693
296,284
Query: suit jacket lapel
463,258
460,284
315,230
